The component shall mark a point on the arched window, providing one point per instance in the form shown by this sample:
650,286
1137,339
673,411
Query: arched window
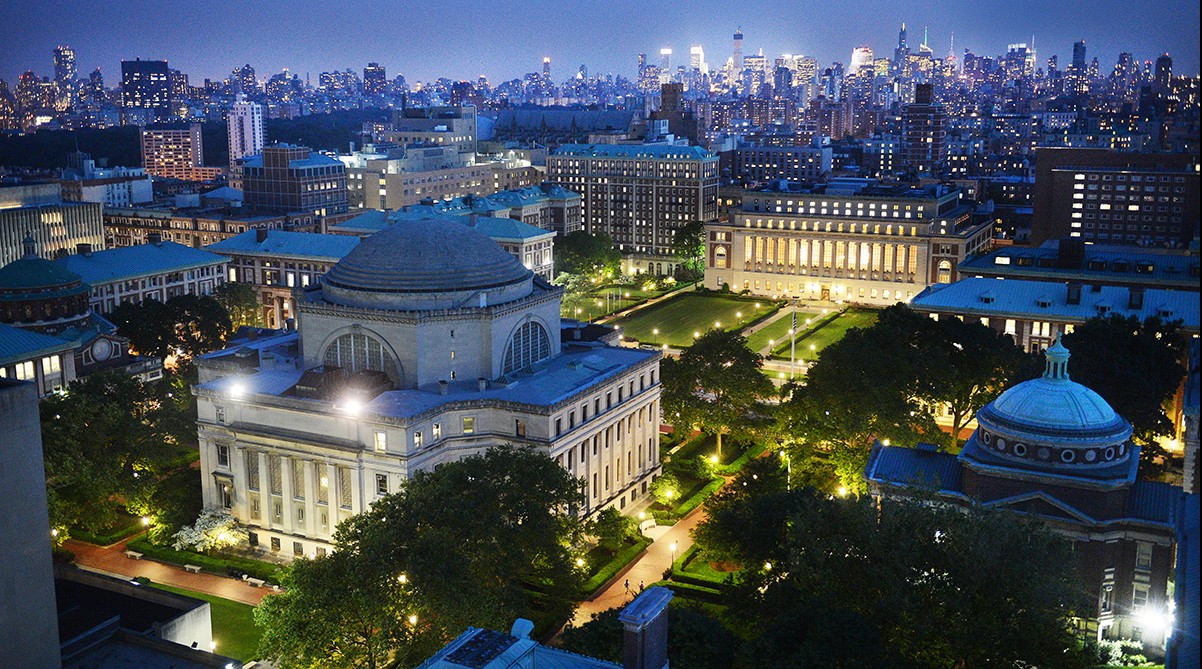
358,352
529,345
945,271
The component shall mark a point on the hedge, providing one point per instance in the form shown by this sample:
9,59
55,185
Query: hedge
132,525
695,592
217,564
670,516
611,569
753,451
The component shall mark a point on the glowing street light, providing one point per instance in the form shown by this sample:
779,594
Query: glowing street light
673,547
767,566
579,562
713,459
842,491
654,330
402,578
145,520
413,619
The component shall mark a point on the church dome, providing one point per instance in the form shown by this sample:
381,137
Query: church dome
426,263
1053,422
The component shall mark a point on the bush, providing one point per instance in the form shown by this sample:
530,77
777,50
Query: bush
125,526
613,529
217,564
700,496
60,555
611,569
698,593
665,489
214,529
734,467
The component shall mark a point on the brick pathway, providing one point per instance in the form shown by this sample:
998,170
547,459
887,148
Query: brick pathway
111,560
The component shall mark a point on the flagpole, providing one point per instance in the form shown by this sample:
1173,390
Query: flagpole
793,344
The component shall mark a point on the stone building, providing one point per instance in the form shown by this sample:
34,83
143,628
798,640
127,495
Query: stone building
425,344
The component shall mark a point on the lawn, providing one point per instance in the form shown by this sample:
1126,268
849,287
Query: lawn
676,320
811,344
605,300
778,330
234,627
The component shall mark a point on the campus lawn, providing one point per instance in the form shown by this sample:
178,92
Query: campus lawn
233,624
674,321
778,330
826,334
609,299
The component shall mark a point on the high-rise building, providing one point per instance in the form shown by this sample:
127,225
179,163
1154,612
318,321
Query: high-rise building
1078,78
665,59
738,52
861,57
375,80
1162,80
176,153
243,80
146,84
38,210
245,129
639,194
546,69
924,133
64,64
286,179
697,59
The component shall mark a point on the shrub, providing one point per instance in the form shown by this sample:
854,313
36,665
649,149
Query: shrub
613,529
218,564
666,489
611,568
213,529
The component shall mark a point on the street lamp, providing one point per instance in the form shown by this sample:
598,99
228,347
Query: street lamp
788,470
673,547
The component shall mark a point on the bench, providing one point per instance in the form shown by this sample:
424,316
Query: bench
646,525
195,569
255,582
133,555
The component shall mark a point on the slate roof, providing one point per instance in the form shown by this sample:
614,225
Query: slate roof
654,151
1154,502
917,467
17,345
108,266
303,245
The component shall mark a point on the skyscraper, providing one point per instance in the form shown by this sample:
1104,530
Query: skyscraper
146,84
64,64
665,59
861,57
547,69
243,80
1079,76
1163,79
245,129
697,59
924,133
375,81
738,55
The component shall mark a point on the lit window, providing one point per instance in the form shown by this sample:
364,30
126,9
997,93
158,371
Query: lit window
381,442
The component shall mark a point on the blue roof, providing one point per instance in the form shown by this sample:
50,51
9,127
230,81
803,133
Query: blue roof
314,160
1099,261
1019,298
306,245
101,267
17,345
372,220
917,467
505,228
659,151
1154,501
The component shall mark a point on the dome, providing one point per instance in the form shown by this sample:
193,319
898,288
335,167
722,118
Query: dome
41,294
30,273
441,259
1053,422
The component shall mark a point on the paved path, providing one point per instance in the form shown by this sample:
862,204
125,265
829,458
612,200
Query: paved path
111,560
648,569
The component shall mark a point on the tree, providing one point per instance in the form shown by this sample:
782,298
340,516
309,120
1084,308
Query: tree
715,385
174,502
612,529
184,326
575,289
241,302
902,571
1136,367
665,489
214,529
591,255
695,639
688,245
342,610
472,532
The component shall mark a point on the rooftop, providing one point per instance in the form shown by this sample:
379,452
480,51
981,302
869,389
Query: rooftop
653,151
303,245
1097,262
17,345
108,266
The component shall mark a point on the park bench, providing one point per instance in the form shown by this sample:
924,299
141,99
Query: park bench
195,569
255,582
133,555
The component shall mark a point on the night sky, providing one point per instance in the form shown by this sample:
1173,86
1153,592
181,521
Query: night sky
503,39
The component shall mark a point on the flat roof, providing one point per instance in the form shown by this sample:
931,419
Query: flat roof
304,245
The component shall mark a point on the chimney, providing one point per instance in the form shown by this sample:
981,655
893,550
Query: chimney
1074,293
84,250
155,238
260,235
482,384
645,630
442,387
1135,301
289,324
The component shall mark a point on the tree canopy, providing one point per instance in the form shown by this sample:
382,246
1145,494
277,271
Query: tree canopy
715,385
185,325
590,255
688,245
241,302
479,541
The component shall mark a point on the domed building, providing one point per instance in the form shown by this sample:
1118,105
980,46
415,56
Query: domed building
1054,449
48,332
425,344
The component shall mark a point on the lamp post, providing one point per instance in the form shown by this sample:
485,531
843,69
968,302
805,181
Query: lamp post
673,547
788,470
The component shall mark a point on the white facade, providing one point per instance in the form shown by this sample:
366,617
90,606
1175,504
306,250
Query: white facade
245,130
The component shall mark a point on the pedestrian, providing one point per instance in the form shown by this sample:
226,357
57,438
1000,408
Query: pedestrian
641,586
628,586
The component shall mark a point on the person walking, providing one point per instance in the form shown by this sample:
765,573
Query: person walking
628,586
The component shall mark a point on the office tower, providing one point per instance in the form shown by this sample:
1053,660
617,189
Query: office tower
697,59
738,55
1162,81
245,129
639,194
286,179
176,153
145,84
582,73
547,69
64,77
861,57
642,62
665,60
38,210
375,81
924,133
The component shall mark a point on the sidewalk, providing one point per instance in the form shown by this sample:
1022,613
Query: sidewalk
112,561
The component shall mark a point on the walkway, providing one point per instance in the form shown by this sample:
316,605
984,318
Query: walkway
647,569
111,560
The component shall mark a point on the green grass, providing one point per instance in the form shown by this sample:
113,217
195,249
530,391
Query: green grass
612,298
674,321
234,627
811,345
125,526
778,331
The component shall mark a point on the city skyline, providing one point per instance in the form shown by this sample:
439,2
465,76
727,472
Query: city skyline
407,43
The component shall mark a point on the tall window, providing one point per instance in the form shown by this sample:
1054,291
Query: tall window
359,352
529,345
